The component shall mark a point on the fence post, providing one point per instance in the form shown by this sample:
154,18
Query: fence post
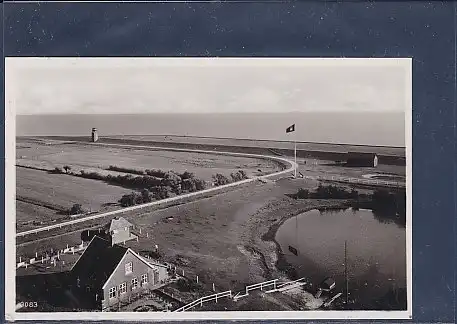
197,279
214,288
183,272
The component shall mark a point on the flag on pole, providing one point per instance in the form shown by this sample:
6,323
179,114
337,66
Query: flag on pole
290,129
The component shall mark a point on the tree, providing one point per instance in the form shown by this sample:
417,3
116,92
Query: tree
173,181
67,168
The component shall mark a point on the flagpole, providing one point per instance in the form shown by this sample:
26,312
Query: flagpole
295,158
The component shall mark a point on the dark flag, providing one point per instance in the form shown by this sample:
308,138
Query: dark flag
293,250
290,129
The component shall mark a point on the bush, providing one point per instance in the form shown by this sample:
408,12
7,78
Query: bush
76,209
187,175
302,193
57,170
155,173
128,200
220,180
125,170
67,168
238,176
327,192
185,285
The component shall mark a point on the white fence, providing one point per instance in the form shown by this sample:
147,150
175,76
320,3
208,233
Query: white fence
205,299
50,256
265,286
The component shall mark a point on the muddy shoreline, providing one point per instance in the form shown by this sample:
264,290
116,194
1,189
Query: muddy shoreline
270,236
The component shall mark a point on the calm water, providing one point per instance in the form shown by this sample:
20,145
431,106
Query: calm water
376,250
348,128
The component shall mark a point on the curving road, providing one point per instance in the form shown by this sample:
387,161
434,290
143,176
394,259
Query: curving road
167,200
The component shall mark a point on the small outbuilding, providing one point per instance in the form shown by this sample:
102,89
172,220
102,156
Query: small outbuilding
362,159
120,230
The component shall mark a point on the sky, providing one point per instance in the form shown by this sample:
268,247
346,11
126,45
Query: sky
129,86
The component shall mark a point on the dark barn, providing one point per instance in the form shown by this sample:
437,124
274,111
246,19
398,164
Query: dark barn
358,159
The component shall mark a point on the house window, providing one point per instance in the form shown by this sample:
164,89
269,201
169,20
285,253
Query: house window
134,283
112,292
123,288
128,268
144,279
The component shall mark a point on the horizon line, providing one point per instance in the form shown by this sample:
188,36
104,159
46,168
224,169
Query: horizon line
217,112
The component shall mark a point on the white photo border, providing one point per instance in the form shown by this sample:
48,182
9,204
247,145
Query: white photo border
10,206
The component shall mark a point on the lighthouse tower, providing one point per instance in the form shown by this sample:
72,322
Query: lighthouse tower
94,135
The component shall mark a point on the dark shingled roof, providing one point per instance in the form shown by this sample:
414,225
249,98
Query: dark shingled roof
98,262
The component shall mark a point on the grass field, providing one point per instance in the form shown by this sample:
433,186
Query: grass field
96,158
61,191
45,194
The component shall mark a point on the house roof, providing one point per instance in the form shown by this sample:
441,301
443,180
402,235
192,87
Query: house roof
98,261
119,223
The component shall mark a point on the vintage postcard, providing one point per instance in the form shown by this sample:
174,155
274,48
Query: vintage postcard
208,188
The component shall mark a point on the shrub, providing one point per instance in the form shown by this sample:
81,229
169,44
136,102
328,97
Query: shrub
57,170
76,209
125,170
239,175
128,200
220,180
185,285
187,175
302,193
155,173
327,192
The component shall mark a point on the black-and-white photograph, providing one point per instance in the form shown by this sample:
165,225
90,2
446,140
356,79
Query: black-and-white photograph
167,187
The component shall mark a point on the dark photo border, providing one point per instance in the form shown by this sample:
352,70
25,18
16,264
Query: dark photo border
424,31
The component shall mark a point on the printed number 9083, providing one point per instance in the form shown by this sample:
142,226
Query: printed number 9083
29,304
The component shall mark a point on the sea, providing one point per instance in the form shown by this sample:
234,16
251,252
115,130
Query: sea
361,128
